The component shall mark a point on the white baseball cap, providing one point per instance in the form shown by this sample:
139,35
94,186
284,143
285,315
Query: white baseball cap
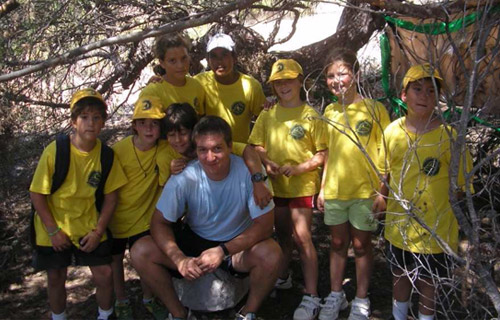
220,40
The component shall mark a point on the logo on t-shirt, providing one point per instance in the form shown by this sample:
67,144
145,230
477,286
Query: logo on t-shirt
363,128
94,179
237,108
431,166
297,132
146,105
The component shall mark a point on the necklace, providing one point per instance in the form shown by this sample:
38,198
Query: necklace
139,161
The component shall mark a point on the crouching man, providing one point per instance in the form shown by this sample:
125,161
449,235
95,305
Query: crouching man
222,228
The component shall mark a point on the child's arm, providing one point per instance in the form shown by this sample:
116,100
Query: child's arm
272,168
261,193
92,239
306,166
380,202
60,240
321,196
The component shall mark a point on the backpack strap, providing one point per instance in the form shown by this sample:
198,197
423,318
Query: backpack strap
107,156
62,161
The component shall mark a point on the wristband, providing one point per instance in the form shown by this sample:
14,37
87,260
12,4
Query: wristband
224,248
53,233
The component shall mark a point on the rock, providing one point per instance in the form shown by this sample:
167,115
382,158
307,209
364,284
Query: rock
213,292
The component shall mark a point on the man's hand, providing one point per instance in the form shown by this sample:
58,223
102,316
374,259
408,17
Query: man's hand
261,194
189,268
177,165
321,200
60,241
272,168
210,259
289,170
90,242
379,207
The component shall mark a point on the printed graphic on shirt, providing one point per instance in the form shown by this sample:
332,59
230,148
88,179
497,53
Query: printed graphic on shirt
297,132
363,128
94,179
431,166
237,108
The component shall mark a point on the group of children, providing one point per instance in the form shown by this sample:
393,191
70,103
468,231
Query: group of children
369,166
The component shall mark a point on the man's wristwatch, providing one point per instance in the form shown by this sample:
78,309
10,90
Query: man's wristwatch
258,177
224,248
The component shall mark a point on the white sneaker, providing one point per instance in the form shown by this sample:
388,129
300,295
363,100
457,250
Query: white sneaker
308,308
332,306
360,309
284,284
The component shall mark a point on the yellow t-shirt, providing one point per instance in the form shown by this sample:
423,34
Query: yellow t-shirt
168,154
137,199
291,136
192,92
424,186
349,174
236,103
73,204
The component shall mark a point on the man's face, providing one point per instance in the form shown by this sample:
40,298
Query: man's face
221,61
213,154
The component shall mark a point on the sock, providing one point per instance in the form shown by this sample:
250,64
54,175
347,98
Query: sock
104,314
363,300
425,316
60,316
147,300
400,309
336,293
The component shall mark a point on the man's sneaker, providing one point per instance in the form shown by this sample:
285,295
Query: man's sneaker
332,305
123,311
308,308
360,309
248,316
284,284
158,311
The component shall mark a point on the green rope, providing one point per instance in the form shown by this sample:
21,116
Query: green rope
398,106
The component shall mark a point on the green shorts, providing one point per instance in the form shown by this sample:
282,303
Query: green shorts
357,211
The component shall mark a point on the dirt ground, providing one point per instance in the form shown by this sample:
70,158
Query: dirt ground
23,291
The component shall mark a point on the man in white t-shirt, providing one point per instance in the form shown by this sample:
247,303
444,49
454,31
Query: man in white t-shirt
223,226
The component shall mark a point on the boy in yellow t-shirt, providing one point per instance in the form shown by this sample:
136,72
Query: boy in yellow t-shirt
138,155
231,95
67,223
415,160
355,127
291,142
175,84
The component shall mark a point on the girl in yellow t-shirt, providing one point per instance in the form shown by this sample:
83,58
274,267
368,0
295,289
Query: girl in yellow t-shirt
174,85
291,142
138,155
355,128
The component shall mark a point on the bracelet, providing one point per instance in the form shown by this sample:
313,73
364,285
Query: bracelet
53,233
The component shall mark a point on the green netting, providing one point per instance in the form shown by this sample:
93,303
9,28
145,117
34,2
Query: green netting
398,106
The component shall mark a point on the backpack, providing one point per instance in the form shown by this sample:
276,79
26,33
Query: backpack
63,147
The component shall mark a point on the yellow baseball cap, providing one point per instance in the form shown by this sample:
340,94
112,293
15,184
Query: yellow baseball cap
85,93
419,72
148,108
285,69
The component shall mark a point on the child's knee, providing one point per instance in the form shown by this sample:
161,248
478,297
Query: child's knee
338,244
102,275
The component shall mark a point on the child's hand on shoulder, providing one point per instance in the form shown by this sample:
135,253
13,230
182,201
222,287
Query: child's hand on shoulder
155,79
178,165
90,241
